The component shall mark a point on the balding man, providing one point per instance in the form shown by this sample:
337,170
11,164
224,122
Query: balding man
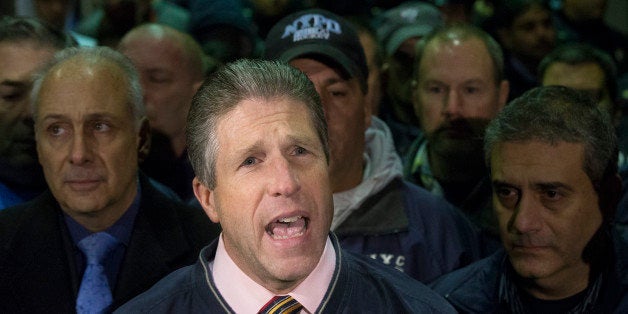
103,233
171,68
459,86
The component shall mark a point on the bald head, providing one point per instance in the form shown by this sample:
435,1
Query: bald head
87,63
178,43
171,68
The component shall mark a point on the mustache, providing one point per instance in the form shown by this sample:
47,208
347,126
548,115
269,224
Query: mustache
82,175
527,240
471,128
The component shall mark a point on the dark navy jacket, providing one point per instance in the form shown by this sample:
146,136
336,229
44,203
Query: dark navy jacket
476,288
358,285
407,227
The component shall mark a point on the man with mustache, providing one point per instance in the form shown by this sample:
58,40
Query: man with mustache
459,86
103,233
552,155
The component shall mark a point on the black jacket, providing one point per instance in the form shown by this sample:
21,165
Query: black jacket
37,268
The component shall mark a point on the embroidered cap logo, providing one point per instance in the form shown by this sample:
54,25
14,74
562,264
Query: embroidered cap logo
409,15
312,26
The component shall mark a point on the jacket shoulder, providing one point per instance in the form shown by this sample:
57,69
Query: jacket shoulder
14,218
473,288
383,285
167,296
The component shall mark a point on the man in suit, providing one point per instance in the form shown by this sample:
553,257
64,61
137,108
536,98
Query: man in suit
90,125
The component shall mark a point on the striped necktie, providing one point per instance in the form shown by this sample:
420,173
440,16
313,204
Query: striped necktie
284,304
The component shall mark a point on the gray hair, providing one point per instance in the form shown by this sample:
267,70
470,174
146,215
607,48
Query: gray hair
225,89
18,29
463,32
94,55
558,114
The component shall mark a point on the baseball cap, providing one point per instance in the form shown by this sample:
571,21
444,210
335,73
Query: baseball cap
318,33
410,19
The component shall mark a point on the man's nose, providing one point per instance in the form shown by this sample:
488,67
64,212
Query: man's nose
526,217
80,151
285,180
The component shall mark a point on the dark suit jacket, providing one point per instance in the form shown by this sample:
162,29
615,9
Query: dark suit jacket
37,267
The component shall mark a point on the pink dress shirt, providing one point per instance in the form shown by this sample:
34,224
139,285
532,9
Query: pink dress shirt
235,286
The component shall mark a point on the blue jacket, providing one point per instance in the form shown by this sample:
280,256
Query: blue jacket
8,198
480,288
357,286
407,227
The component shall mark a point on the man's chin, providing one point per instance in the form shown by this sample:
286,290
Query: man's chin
290,273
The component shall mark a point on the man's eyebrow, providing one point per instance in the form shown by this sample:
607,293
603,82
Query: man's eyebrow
291,140
432,81
334,80
295,139
88,117
248,149
543,186
475,80
12,83
499,183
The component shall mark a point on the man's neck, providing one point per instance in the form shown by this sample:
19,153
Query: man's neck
103,218
560,286
347,178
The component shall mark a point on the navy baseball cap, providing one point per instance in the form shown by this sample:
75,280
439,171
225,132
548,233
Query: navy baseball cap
319,34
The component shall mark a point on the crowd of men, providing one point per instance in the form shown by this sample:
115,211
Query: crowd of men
424,165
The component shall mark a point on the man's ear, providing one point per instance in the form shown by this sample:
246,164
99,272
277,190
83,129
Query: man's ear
197,85
205,197
143,144
368,111
504,90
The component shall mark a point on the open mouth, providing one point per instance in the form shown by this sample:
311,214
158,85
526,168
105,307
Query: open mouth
287,227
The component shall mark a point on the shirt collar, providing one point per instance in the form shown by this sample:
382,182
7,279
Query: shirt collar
422,172
234,285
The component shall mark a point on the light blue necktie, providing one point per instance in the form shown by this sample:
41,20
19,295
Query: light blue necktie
95,294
